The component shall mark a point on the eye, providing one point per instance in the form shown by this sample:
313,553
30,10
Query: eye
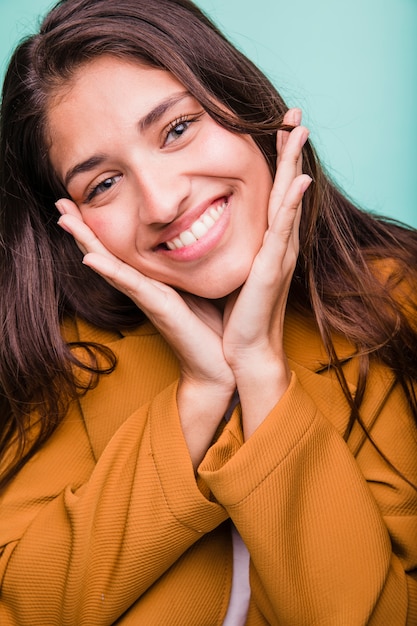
178,128
102,186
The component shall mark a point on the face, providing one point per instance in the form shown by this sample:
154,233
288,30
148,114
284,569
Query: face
162,185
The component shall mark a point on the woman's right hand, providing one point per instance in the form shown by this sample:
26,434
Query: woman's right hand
192,326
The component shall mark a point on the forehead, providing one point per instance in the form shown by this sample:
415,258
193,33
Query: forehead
103,93
108,77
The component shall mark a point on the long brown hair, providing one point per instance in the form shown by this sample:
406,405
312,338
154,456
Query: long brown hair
41,275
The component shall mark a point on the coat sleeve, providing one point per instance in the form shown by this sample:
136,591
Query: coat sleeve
90,551
332,536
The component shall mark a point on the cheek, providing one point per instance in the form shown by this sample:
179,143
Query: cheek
226,154
237,157
113,230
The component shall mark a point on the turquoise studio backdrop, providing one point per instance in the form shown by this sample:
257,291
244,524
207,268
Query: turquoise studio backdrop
351,65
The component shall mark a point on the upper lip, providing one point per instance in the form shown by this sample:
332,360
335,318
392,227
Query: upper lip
184,221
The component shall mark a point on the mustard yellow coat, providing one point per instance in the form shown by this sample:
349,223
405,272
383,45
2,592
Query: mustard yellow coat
108,524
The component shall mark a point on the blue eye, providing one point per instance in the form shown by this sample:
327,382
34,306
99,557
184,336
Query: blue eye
103,186
177,129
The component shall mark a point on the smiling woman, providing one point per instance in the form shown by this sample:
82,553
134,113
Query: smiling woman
155,199
227,402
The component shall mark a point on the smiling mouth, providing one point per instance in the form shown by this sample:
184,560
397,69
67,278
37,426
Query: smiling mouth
198,229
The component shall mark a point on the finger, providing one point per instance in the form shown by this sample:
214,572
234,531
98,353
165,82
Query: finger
86,239
71,221
292,149
292,117
67,206
280,248
161,303
289,166
270,277
185,328
150,295
285,217
177,321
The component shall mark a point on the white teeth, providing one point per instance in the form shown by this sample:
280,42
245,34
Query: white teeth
198,229
173,245
187,238
208,221
215,214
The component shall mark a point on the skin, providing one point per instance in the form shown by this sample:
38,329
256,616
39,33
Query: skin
155,171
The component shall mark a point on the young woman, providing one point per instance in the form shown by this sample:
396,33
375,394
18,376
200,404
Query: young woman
208,356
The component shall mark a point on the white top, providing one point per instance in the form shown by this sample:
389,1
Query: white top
239,598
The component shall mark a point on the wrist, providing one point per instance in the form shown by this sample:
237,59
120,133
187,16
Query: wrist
260,388
201,407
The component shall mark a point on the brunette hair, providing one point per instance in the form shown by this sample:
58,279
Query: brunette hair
42,279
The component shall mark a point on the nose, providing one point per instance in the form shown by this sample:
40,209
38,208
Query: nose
162,190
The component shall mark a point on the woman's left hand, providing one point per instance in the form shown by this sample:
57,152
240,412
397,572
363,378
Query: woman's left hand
254,318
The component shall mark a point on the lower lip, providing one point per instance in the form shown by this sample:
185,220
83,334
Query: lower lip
204,245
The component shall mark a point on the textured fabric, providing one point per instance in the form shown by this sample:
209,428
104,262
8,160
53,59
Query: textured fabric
108,524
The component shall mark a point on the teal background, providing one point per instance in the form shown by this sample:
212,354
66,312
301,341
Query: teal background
351,65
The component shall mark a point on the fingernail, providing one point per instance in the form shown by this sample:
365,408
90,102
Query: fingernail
62,225
298,114
306,183
60,207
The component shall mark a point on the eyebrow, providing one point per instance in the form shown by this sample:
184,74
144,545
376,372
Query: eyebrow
157,112
85,166
153,116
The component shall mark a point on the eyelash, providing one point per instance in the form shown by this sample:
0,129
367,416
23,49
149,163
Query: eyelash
91,193
183,120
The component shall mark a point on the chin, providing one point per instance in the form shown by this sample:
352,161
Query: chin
215,290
